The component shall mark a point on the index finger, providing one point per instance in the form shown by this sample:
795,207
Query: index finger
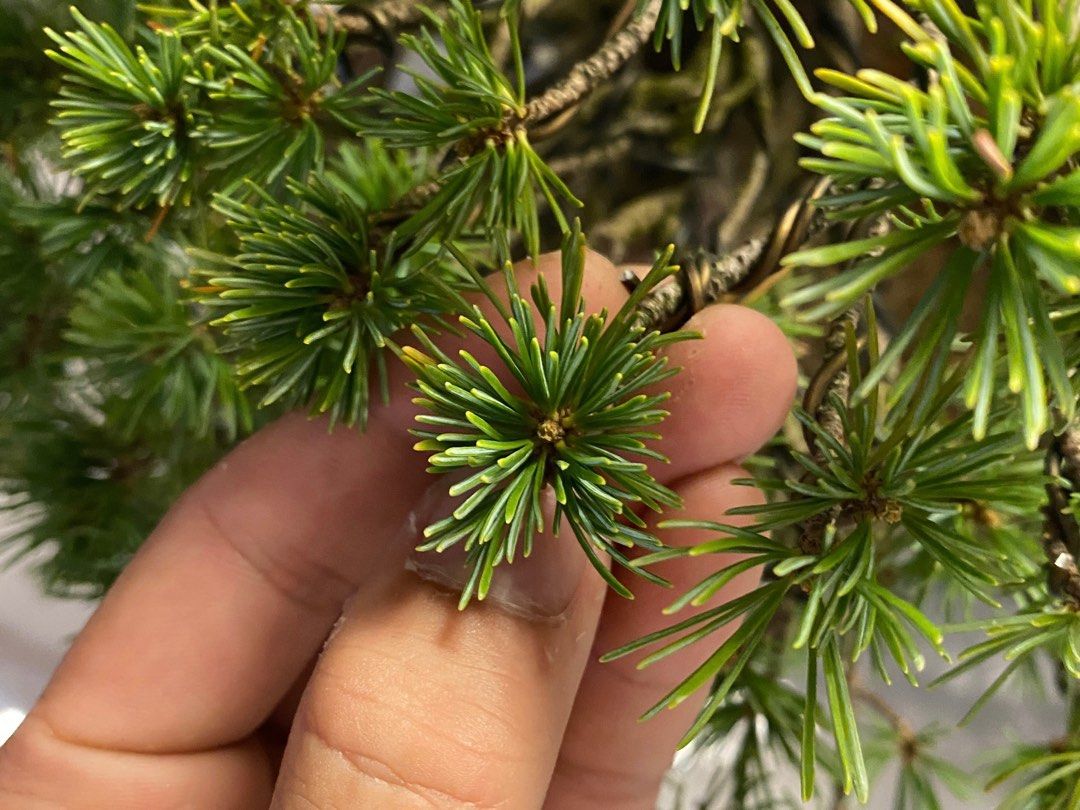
235,591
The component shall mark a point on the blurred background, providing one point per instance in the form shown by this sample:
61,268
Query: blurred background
34,632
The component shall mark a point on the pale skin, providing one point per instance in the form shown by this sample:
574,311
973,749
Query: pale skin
209,677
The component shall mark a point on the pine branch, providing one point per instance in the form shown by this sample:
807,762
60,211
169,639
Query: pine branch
579,425
828,389
589,74
315,295
705,281
981,160
470,109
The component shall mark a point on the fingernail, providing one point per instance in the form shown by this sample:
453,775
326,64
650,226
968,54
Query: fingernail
540,587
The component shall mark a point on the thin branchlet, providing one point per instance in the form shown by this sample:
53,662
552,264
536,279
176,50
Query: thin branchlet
589,74
829,385
705,280
578,426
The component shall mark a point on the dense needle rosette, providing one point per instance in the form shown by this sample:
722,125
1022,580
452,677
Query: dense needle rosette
570,407
310,303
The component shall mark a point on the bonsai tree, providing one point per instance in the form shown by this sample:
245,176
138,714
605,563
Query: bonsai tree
211,213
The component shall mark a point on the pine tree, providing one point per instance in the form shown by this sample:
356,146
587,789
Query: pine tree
211,212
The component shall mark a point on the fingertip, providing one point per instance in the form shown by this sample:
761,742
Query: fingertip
768,348
758,357
735,389
598,262
601,288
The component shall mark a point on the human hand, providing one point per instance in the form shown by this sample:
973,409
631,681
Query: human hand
226,635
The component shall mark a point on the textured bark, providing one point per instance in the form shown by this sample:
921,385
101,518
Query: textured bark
598,68
672,304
